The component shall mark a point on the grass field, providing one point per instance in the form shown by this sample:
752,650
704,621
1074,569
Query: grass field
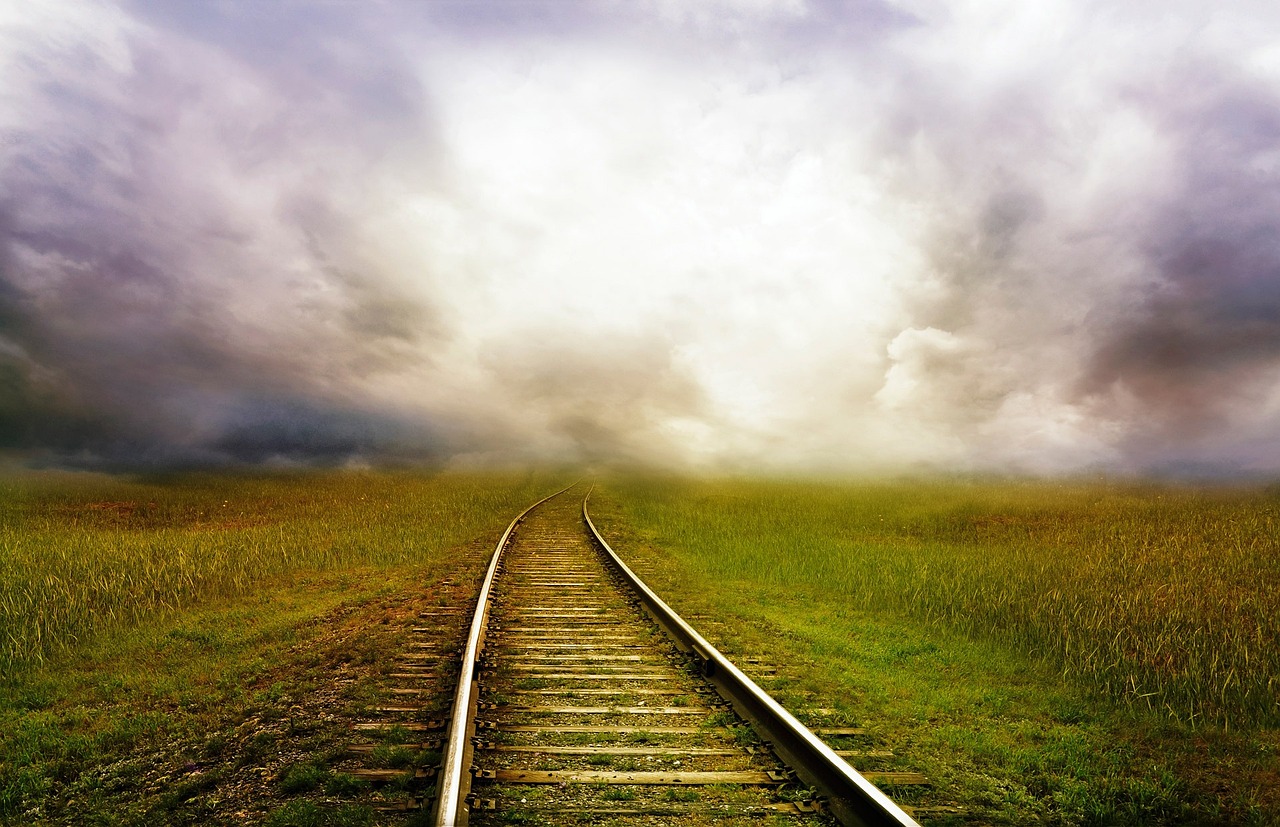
1166,597
83,553
179,650
1066,652
1047,653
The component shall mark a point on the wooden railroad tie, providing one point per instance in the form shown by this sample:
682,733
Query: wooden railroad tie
722,811
672,779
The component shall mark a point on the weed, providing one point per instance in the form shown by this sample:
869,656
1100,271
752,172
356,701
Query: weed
618,794
401,782
343,784
392,756
215,746
188,789
396,734
744,735
351,815
297,814
301,778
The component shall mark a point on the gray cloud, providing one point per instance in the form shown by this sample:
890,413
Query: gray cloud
741,234
1133,290
597,402
153,304
1205,341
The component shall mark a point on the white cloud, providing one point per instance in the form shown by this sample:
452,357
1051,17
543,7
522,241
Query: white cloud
805,237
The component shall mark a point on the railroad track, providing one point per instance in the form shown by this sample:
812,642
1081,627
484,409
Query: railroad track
584,699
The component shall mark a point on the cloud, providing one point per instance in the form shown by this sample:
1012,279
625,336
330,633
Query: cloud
178,254
620,400
1105,257
782,235
1202,349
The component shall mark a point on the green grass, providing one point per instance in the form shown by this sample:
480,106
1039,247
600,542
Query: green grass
1075,653
304,777
307,814
143,727
215,689
1165,596
82,553
1065,653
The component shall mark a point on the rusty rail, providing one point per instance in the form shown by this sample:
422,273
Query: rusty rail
851,798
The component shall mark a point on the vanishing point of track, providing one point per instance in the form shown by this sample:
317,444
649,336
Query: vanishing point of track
578,696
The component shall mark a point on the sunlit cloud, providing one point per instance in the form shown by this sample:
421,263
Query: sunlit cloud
747,235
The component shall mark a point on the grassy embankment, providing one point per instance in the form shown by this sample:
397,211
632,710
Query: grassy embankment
1048,653
164,642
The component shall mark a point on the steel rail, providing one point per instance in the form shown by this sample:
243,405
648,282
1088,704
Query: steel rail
452,808
851,798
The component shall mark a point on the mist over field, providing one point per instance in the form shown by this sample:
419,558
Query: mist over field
737,234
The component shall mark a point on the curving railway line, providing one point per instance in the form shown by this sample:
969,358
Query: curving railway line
578,696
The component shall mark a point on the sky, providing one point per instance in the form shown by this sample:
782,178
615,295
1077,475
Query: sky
732,235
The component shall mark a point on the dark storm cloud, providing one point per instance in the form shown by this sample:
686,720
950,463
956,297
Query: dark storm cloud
1207,338
260,430
148,309
1216,242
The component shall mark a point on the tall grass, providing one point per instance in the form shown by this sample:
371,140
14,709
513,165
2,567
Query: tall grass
80,554
1166,596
